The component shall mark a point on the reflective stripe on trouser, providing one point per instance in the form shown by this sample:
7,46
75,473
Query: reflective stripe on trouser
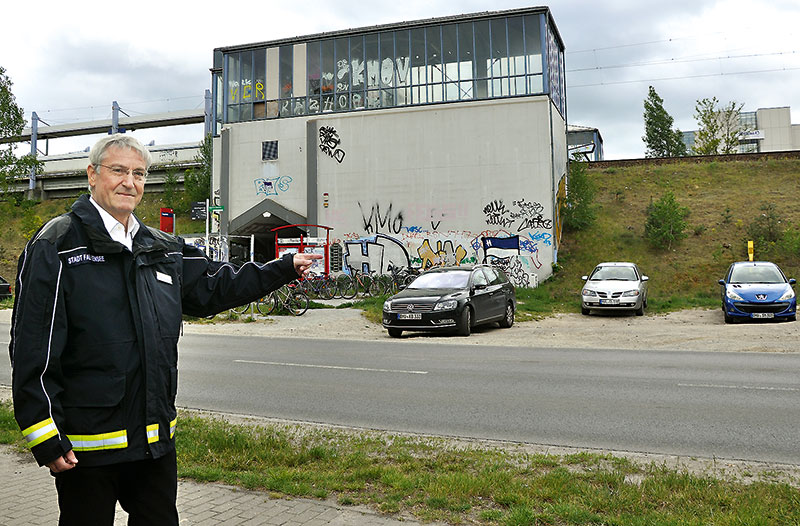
152,433
115,440
172,426
38,433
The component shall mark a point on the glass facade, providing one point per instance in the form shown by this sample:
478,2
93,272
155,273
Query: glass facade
468,59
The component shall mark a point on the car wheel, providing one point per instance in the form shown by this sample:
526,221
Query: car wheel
584,311
508,319
395,333
640,310
793,317
728,319
465,322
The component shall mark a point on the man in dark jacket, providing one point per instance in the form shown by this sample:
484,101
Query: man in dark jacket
94,340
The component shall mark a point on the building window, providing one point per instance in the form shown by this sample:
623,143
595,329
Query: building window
474,59
269,151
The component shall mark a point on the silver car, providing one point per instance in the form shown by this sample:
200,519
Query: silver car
614,286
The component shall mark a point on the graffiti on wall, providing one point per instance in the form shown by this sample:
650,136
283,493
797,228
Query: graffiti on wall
545,237
523,215
272,186
169,156
377,221
445,254
517,256
421,236
329,142
374,253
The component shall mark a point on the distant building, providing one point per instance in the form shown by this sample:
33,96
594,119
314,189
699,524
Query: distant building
585,141
768,130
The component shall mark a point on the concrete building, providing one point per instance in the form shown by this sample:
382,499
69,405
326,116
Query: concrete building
585,142
440,141
767,130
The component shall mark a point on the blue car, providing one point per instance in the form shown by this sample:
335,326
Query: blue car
757,290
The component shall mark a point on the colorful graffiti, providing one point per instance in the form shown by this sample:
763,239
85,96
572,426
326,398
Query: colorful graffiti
375,253
272,186
545,237
329,142
444,254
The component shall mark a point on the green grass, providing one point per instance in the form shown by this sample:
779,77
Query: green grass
437,480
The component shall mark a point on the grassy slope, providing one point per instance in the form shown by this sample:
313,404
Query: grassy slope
15,224
687,275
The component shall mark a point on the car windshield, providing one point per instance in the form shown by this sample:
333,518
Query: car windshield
756,274
441,280
613,273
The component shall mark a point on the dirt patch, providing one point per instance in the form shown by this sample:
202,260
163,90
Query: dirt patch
689,330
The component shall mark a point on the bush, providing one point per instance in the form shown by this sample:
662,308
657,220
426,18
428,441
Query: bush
579,213
666,222
767,227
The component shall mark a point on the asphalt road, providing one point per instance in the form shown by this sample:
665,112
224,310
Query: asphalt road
725,405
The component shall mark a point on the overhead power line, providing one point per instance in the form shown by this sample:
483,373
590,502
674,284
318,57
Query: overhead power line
681,61
682,77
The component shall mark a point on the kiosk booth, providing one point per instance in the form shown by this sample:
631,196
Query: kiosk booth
306,245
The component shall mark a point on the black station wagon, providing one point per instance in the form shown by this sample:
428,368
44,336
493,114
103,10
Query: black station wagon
452,298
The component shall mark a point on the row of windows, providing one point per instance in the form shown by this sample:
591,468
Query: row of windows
461,61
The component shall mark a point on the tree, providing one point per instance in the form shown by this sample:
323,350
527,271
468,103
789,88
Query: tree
197,182
730,126
666,222
579,212
718,128
660,138
12,122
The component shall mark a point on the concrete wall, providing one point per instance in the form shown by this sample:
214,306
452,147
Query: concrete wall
456,184
777,126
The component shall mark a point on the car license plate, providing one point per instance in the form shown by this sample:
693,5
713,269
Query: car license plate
763,315
609,302
409,316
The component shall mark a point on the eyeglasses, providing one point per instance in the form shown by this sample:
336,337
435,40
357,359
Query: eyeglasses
119,171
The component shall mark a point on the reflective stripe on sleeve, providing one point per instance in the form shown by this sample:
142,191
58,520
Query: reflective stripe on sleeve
152,433
172,426
115,440
38,433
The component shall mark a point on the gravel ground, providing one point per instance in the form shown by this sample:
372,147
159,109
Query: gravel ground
690,330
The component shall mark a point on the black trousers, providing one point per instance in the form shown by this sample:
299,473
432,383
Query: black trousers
146,489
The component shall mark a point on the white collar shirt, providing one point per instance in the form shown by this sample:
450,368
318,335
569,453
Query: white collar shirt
115,229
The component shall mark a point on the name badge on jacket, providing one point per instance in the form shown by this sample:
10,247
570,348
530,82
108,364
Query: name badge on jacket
166,278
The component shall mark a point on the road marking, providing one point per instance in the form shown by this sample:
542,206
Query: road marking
367,369
745,387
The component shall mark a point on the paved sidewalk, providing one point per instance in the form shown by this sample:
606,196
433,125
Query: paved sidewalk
28,497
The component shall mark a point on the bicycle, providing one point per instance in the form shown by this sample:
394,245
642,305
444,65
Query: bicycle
367,282
241,309
288,297
318,285
400,277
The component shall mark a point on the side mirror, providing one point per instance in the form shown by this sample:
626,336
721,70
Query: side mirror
479,286
584,278
792,281
721,282
645,278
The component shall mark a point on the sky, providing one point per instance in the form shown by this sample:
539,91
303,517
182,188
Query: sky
69,60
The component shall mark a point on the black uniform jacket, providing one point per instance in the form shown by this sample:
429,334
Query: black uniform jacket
95,331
